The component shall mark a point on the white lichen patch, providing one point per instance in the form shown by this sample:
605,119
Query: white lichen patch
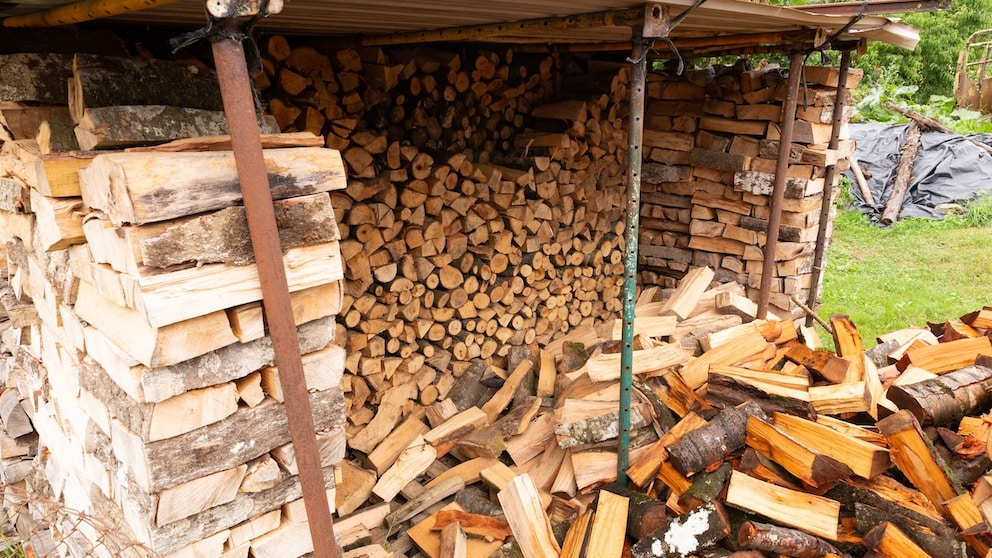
683,538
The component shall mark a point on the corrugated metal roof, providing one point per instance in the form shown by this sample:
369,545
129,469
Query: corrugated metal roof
386,17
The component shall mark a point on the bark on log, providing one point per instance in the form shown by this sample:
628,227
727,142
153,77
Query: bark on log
103,81
930,124
904,172
705,446
946,399
782,540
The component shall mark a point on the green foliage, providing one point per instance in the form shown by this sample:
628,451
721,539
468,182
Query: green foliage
932,65
871,108
10,549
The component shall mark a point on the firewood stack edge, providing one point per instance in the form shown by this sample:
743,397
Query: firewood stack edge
456,283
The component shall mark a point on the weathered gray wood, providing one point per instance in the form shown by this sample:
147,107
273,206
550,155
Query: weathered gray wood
245,435
222,237
35,77
139,506
137,417
223,365
137,188
116,127
103,81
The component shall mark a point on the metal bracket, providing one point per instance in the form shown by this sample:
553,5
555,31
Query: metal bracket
656,20
224,9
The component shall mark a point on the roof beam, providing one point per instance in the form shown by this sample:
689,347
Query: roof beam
613,18
85,10
878,7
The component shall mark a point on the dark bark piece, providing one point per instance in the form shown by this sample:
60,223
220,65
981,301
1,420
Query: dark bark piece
948,398
686,534
943,542
38,78
705,446
117,127
645,515
469,391
706,487
723,391
904,172
825,364
104,81
879,354
783,540
222,237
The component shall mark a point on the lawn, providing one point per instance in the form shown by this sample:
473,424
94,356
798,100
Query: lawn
913,272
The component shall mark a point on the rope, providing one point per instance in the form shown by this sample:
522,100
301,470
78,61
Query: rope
217,30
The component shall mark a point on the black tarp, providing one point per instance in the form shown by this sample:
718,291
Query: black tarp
949,169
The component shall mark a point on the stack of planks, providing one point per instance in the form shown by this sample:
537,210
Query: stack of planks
137,340
714,147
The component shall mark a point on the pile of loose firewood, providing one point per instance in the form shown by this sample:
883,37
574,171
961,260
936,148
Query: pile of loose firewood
756,443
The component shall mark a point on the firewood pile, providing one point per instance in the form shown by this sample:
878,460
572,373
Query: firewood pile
757,444
457,297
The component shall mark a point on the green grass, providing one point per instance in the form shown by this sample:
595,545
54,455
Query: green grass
916,271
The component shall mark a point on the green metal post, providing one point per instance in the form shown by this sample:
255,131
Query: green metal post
635,134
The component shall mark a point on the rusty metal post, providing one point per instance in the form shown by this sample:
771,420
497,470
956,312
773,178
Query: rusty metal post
821,232
239,107
781,171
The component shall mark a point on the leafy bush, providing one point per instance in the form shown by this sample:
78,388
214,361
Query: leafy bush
871,108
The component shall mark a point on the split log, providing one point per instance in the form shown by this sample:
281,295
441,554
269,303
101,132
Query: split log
913,453
813,514
116,127
888,540
607,533
103,81
209,181
39,77
726,433
865,459
945,399
904,172
781,540
530,525
813,468
945,357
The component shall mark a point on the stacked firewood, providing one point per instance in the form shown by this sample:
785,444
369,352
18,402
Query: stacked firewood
465,235
715,139
136,344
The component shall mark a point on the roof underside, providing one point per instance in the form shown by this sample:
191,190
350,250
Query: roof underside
380,20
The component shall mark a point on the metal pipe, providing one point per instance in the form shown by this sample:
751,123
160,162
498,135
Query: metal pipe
781,172
828,180
635,135
239,107
78,12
